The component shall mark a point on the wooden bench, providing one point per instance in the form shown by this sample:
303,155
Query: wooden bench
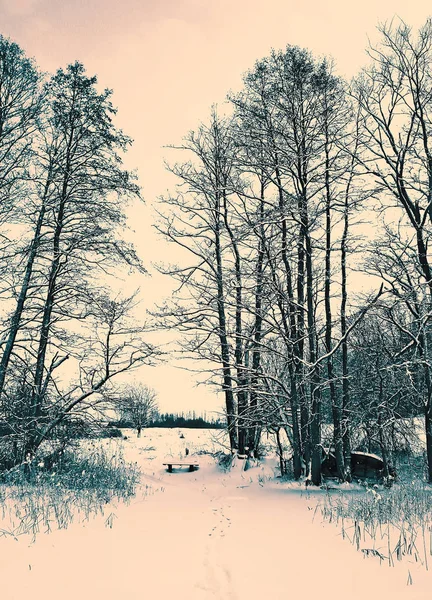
192,465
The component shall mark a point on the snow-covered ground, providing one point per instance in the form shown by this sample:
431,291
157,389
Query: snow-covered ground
208,534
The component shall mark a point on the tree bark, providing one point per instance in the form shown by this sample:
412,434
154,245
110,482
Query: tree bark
16,317
334,400
227,385
253,437
346,437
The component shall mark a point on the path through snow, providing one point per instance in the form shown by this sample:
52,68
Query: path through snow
202,536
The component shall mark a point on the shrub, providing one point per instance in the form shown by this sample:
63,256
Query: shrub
388,523
224,460
69,470
110,432
61,487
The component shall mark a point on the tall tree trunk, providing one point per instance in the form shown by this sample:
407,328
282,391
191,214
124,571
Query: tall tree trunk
296,440
37,398
16,317
227,385
383,442
315,427
305,417
346,436
428,404
428,429
334,400
281,453
294,345
48,308
253,438
242,407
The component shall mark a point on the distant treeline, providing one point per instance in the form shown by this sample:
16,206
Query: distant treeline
187,420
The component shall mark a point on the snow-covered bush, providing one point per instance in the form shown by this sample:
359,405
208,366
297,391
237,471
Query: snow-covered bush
388,523
62,487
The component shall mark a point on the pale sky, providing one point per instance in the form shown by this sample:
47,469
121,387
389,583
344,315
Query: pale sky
167,63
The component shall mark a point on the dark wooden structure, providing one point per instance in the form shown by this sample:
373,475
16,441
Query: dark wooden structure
193,465
363,465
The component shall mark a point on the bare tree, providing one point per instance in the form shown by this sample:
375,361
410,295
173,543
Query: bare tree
395,101
22,102
114,345
78,191
197,220
90,184
138,405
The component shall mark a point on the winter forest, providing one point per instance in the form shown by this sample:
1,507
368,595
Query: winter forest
311,192
298,231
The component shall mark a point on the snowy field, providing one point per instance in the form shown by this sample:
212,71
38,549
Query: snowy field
241,535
